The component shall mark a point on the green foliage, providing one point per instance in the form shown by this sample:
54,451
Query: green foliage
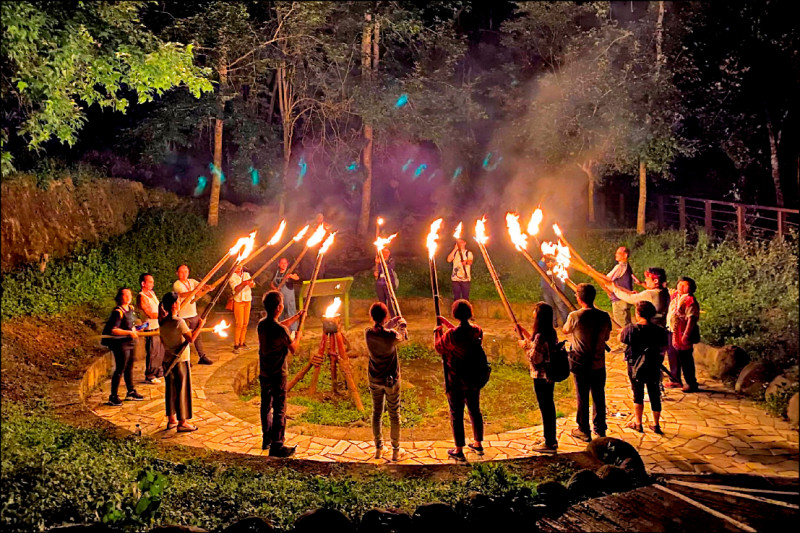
158,242
777,403
59,56
53,473
414,350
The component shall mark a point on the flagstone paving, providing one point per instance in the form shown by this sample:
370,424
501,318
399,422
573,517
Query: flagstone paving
710,431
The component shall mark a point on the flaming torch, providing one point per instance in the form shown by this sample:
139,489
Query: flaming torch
520,241
481,238
296,238
457,233
533,225
220,329
233,251
580,265
320,254
433,236
380,244
274,240
314,240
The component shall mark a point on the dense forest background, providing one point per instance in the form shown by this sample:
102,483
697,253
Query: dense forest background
409,107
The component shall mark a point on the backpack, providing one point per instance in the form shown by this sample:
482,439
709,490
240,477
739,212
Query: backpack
559,363
476,368
109,343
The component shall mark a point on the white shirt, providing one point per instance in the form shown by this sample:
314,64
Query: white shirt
190,309
462,271
149,304
246,294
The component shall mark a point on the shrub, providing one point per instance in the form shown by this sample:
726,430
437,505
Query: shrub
158,242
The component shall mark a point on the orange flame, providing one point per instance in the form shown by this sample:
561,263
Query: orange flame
433,236
457,233
557,229
480,230
519,239
381,242
380,221
316,237
243,246
333,309
277,237
220,329
300,234
536,219
327,243
562,256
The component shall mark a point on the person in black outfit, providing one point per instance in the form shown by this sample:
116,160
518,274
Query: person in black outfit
274,345
120,324
588,329
538,345
456,344
644,352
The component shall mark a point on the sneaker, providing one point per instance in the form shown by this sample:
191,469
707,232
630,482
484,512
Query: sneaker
543,447
395,455
458,456
580,435
690,388
476,449
153,381
205,361
235,349
134,396
244,346
265,443
282,451
115,401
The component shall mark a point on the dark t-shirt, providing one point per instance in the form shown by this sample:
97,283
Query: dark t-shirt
589,329
273,347
382,346
647,339
121,319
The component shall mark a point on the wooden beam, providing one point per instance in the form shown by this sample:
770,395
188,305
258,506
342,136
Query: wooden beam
709,510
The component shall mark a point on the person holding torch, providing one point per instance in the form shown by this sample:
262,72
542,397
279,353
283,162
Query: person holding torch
462,267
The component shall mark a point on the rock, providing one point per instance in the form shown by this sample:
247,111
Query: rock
317,520
793,410
484,512
251,524
778,386
619,453
702,353
435,517
752,379
385,521
553,495
614,478
723,363
583,484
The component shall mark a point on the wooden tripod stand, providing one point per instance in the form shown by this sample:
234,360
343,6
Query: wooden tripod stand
332,338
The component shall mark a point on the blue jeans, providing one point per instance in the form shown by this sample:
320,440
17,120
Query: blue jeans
460,290
552,299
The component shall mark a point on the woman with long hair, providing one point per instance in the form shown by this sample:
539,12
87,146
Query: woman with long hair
538,345
176,338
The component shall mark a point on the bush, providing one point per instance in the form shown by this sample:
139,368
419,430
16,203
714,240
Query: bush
53,473
157,243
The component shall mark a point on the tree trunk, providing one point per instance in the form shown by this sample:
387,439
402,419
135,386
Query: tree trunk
216,174
587,169
640,214
284,95
368,65
660,58
774,143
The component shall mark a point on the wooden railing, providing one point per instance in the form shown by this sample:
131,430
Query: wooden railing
716,217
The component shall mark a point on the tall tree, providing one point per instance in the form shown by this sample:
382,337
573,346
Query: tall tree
59,57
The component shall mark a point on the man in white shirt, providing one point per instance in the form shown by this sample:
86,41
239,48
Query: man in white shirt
240,283
147,303
183,286
462,269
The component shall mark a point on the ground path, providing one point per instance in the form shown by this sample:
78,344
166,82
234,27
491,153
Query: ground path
710,431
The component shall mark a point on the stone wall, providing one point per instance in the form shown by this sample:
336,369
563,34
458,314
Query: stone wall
37,225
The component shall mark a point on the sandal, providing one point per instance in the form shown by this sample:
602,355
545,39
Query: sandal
186,429
172,425
634,425
458,456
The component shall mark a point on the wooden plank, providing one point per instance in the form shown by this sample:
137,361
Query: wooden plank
709,510
740,226
709,226
731,488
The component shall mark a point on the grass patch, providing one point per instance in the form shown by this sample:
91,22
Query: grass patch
55,474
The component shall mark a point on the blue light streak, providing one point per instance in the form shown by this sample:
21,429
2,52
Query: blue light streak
403,100
202,181
405,167
254,177
303,169
420,170
215,171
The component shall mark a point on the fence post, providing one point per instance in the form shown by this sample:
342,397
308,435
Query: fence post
660,202
709,226
681,213
622,209
781,226
740,229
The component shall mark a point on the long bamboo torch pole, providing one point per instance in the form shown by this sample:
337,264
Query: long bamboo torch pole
480,237
190,297
433,236
219,329
547,278
587,269
317,263
380,243
273,241
296,238
314,240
